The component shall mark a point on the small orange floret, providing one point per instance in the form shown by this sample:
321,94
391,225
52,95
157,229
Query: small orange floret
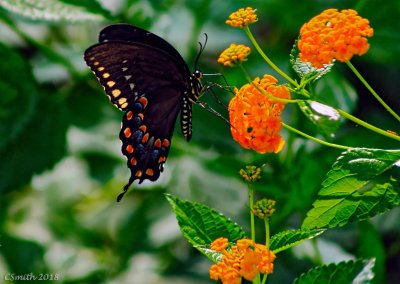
242,17
235,54
219,244
244,260
334,35
255,119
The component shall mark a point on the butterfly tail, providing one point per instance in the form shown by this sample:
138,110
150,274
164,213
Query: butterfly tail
126,187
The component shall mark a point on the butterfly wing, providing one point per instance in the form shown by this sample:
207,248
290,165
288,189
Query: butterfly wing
150,87
129,33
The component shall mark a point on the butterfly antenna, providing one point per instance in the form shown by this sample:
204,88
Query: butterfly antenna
202,47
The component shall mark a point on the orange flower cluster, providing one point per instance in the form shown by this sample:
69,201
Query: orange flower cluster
245,259
333,35
255,119
242,17
235,54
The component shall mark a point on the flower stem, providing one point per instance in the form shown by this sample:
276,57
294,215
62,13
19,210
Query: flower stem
315,139
267,238
318,257
251,201
265,57
367,125
263,91
379,99
267,232
252,225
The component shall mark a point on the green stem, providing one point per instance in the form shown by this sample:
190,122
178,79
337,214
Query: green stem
265,57
318,257
372,91
251,201
315,139
267,232
267,237
264,278
263,91
367,125
252,225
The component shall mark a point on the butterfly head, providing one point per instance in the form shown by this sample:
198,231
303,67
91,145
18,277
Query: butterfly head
198,74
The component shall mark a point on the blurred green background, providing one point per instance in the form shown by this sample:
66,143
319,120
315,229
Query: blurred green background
60,163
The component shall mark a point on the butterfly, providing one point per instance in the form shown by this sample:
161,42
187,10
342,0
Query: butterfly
146,78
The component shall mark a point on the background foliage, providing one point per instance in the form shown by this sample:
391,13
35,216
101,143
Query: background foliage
61,167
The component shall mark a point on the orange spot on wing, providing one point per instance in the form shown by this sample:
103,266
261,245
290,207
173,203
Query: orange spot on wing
165,143
149,172
143,128
129,115
133,161
143,101
141,116
129,148
138,173
127,132
145,138
157,143
162,159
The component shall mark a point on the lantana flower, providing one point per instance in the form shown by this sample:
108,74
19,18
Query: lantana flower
242,17
333,35
244,260
255,118
235,54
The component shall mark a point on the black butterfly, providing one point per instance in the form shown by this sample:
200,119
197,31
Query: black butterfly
144,76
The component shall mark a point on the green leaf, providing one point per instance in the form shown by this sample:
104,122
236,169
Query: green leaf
56,10
201,225
37,148
326,118
361,184
287,239
17,101
306,72
359,271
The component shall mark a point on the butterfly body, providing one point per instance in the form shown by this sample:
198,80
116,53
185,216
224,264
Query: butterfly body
146,78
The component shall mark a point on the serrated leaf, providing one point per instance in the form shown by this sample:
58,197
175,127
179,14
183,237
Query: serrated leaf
17,101
306,72
361,184
287,239
326,118
56,10
201,225
359,272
